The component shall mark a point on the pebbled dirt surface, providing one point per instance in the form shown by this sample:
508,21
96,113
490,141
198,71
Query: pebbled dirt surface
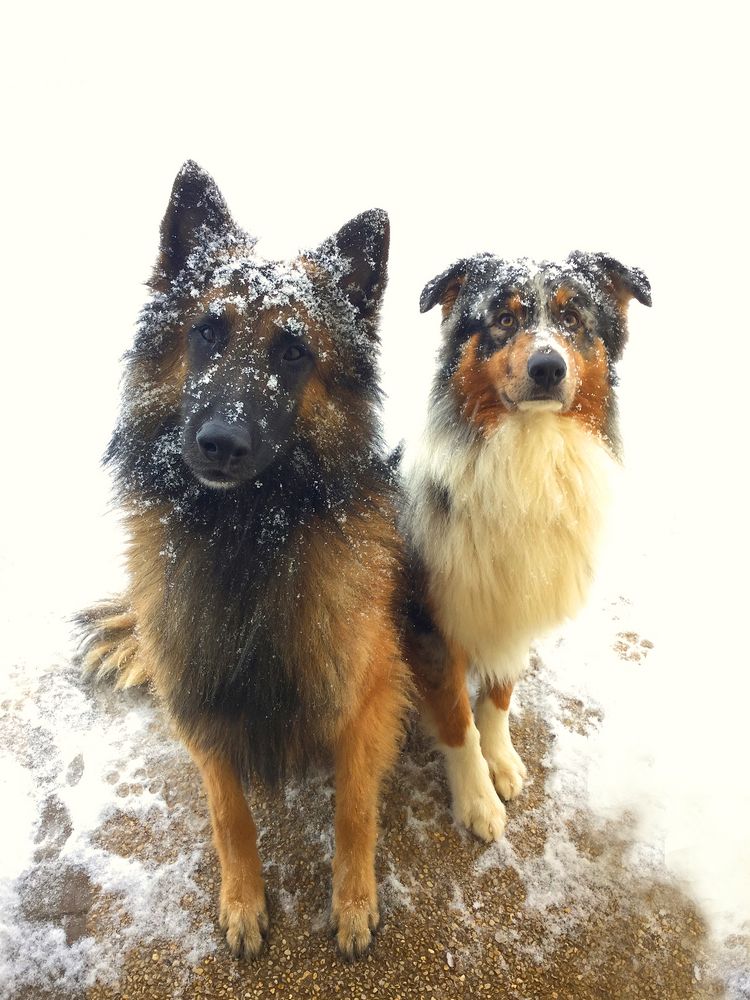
555,912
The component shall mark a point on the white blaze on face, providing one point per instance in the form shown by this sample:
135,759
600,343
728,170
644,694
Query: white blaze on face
546,341
547,338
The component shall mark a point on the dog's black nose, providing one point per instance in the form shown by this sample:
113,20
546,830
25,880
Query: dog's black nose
547,369
221,443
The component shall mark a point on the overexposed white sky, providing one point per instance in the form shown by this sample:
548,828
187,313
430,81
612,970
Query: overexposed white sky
531,128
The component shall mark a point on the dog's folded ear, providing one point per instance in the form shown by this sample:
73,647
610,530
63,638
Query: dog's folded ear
626,282
197,213
357,255
444,288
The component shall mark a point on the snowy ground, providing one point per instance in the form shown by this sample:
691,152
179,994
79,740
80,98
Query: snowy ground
627,863
110,881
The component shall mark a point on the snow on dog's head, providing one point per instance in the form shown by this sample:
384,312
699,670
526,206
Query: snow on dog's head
241,362
521,335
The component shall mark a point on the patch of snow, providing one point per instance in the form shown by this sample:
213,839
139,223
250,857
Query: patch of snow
62,749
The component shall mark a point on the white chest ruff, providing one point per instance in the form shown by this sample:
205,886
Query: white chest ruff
516,553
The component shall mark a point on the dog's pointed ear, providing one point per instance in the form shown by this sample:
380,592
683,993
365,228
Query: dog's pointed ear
357,256
196,212
444,288
626,282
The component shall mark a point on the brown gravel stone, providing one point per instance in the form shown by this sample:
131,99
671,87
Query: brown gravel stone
457,918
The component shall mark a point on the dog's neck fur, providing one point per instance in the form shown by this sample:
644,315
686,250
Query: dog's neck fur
510,547
242,600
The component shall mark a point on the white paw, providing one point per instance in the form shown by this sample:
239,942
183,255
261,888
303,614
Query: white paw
475,802
508,773
482,812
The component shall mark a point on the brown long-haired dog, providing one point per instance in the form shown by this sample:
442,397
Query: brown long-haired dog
263,553
506,495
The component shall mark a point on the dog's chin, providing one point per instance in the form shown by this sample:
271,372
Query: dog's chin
217,479
226,483
213,479
539,405
532,404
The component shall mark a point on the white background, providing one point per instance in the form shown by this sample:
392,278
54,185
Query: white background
530,128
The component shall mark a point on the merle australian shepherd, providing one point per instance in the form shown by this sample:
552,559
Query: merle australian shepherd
263,555
506,494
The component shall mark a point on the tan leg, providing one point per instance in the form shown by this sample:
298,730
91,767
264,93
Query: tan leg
506,767
446,714
364,752
242,911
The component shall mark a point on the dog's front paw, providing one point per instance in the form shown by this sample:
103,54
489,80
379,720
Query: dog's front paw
245,922
475,801
353,923
481,811
508,773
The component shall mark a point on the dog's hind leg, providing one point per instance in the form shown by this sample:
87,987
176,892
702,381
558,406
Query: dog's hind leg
243,914
447,716
506,767
365,750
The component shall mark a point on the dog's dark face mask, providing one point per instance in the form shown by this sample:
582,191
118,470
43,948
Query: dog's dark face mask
248,370
263,341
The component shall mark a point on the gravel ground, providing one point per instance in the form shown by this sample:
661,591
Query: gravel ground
459,919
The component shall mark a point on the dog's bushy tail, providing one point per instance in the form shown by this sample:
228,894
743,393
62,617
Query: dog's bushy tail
109,643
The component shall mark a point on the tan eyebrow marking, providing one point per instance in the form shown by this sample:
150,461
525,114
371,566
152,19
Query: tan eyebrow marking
563,296
514,302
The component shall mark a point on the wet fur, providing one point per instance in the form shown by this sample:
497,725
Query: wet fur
263,615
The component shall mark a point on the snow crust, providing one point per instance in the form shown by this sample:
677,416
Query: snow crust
61,749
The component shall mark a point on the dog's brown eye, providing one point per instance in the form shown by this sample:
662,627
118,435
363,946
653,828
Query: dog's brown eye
507,320
570,319
208,333
293,353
